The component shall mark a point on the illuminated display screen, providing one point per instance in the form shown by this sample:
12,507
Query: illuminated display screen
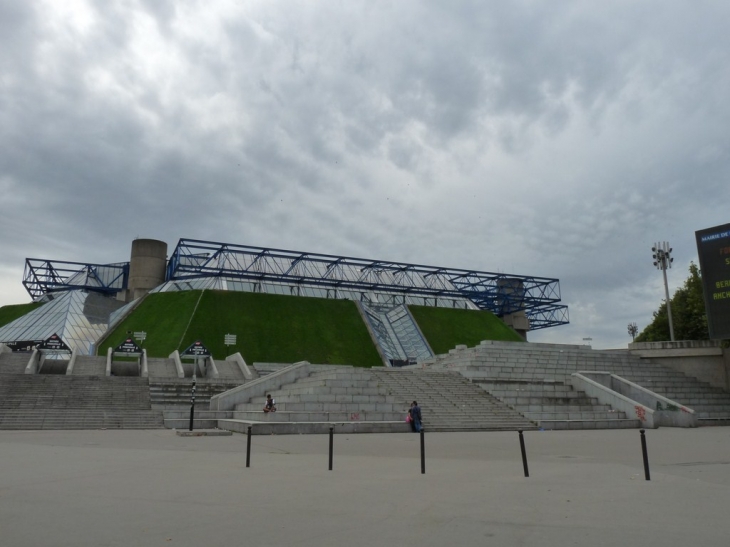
713,247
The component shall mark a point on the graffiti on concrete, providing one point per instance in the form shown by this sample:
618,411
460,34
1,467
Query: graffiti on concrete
640,413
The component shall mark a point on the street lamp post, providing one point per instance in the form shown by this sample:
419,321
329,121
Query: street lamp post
663,260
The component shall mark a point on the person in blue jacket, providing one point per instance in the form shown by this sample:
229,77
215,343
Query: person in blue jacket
416,417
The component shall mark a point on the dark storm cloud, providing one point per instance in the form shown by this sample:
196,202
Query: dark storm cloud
540,138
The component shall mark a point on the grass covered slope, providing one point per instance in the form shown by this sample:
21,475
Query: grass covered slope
11,312
276,328
445,328
270,328
163,316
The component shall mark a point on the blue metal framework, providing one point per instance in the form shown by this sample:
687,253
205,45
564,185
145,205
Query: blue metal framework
43,276
501,294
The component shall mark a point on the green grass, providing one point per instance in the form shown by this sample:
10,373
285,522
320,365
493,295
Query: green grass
445,328
163,316
276,328
269,328
11,312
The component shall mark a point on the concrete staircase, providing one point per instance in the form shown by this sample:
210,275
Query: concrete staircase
554,405
14,363
89,365
343,397
161,367
449,402
496,365
376,400
40,401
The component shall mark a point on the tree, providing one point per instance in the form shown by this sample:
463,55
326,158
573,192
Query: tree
688,313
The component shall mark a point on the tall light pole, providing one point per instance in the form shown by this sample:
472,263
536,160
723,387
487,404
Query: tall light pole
663,260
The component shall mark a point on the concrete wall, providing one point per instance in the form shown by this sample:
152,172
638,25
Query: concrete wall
146,266
701,359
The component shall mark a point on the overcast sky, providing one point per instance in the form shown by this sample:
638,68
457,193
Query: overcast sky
557,139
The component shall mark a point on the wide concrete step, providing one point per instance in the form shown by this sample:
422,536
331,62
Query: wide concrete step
301,416
589,424
282,406
299,428
81,419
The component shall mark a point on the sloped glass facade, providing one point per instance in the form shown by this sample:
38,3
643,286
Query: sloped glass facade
78,317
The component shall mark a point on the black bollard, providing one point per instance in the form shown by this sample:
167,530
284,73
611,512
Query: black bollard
423,454
524,454
646,456
192,404
332,442
248,446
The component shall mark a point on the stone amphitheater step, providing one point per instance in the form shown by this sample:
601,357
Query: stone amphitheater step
89,365
13,363
229,371
161,367
174,392
75,402
80,419
449,395
553,406
511,361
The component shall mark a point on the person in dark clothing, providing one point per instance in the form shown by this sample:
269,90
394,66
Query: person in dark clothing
415,417
270,405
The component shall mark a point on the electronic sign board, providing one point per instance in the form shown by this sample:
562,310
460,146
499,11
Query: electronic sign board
713,247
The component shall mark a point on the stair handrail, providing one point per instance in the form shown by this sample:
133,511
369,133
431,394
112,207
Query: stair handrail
175,356
241,362
108,371
71,362
213,369
34,362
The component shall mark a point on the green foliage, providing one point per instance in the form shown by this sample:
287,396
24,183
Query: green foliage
10,313
269,328
688,313
445,328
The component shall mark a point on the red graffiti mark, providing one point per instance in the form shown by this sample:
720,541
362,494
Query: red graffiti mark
684,409
640,413
355,417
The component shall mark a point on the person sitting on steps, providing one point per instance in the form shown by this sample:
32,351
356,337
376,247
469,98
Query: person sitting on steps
270,405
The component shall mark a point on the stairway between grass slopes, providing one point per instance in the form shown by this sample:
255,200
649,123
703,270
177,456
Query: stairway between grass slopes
40,401
523,375
375,400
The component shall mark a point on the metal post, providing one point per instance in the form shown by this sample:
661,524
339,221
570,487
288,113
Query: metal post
663,260
646,457
524,454
669,305
332,442
248,446
192,404
423,454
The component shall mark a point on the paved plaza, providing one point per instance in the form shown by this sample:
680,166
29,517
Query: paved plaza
139,488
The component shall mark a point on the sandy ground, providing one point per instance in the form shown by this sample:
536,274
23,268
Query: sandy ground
128,488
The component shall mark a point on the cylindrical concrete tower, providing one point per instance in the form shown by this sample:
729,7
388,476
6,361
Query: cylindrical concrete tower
146,266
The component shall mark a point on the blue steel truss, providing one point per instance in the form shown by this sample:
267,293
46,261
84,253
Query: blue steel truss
43,276
501,294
